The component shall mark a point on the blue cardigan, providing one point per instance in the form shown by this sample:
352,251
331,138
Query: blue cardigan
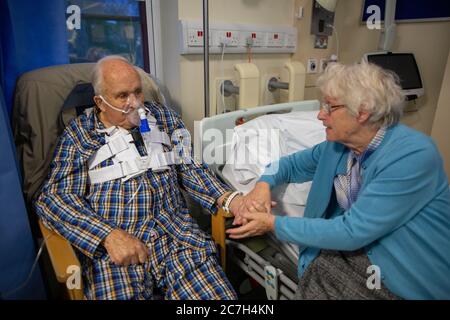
401,217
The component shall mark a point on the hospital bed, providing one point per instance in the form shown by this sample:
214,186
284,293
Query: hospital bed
271,263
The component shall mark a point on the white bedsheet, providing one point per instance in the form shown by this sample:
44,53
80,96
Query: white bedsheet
249,156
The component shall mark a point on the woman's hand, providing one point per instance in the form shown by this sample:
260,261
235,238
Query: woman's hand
261,196
257,222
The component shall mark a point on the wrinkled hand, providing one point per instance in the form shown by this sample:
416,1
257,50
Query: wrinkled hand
258,221
124,249
261,195
236,204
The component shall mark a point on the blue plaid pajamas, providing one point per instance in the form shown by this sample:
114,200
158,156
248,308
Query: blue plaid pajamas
177,271
182,262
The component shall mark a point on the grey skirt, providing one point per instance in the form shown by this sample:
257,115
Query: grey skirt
336,275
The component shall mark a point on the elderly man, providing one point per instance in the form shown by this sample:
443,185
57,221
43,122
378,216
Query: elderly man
134,233
377,220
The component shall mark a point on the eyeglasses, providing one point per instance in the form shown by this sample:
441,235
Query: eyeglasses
329,109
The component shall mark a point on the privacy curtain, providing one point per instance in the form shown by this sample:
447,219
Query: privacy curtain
32,35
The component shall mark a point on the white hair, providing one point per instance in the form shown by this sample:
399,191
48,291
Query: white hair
365,86
97,74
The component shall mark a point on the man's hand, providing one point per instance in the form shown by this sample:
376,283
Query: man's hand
261,195
124,249
258,222
236,204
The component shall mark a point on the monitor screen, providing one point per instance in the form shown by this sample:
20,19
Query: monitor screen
403,64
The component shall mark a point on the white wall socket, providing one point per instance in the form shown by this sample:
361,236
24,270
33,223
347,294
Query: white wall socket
229,38
311,66
266,39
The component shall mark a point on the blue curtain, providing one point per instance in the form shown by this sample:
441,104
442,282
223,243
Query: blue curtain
17,251
33,35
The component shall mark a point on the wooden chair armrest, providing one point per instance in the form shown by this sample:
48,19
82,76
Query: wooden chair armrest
218,233
225,214
62,256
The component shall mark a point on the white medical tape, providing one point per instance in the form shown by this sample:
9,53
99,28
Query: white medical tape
113,172
110,149
159,137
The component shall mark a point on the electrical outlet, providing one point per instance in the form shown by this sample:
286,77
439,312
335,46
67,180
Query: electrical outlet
311,66
229,38
257,37
275,39
291,40
195,38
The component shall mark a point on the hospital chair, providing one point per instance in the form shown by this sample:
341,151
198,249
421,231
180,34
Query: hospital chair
266,263
38,119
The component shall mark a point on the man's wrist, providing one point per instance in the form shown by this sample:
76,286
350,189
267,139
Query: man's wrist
234,201
221,200
228,200
108,237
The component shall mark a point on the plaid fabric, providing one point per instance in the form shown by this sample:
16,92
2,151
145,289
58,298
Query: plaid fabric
347,186
85,213
177,271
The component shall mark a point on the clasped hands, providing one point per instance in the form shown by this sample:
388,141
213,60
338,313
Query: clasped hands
253,213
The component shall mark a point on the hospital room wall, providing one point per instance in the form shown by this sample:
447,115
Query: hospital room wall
183,74
441,128
429,41
306,48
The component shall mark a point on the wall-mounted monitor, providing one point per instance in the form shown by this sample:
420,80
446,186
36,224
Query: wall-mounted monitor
405,66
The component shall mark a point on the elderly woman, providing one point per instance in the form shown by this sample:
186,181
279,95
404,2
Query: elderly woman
377,220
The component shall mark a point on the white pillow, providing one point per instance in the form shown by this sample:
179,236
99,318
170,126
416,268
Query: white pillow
254,146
